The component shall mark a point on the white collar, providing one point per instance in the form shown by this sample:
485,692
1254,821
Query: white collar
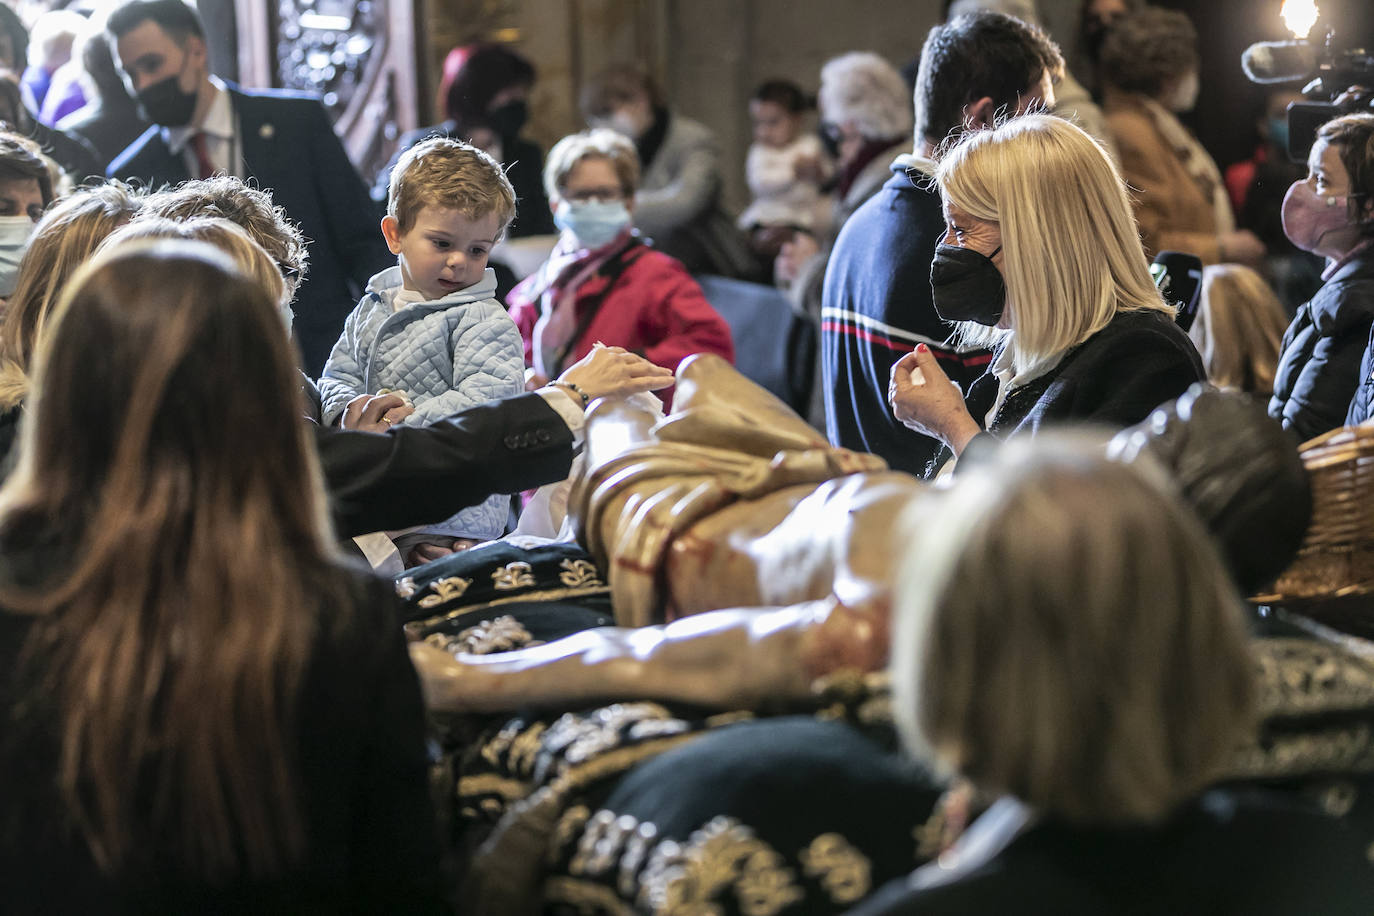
218,121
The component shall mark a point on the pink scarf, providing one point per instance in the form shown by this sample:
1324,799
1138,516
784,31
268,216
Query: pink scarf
567,268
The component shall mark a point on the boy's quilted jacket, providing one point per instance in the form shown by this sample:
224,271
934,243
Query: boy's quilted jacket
444,355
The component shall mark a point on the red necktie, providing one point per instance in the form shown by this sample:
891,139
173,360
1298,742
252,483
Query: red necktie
203,163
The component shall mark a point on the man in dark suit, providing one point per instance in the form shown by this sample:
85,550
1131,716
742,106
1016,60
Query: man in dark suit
283,141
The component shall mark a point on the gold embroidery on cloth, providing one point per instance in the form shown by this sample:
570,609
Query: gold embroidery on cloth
843,871
445,590
587,898
579,573
405,587
684,879
502,634
513,575
552,594
492,784
569,825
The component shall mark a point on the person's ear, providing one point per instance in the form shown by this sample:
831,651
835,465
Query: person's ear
979,114
391,231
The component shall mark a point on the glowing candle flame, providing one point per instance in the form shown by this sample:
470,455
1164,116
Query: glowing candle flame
1299,16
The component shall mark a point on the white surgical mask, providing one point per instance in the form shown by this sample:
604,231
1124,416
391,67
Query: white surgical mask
593,222
15,232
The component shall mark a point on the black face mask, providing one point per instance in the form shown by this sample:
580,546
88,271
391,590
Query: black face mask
966,285
165,104
509,118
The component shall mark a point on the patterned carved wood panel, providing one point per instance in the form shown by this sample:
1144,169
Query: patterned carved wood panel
360,57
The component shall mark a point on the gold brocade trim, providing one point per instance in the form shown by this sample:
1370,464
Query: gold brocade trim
492,784
513,575
553,594
588,898
569,825
579,573
444,590
682,879
842,870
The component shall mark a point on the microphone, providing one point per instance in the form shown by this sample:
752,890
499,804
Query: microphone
1179,278
1279,61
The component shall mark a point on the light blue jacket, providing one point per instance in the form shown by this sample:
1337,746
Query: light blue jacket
445,355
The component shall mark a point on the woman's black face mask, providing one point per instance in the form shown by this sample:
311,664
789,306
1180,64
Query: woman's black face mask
966,285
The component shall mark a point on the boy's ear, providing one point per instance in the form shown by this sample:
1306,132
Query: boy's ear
391,231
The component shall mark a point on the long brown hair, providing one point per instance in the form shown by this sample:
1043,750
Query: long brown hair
64,239
183,485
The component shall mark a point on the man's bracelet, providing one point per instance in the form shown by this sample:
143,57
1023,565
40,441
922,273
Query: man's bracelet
575,389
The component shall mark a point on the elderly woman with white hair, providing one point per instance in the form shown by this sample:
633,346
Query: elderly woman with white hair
1042,262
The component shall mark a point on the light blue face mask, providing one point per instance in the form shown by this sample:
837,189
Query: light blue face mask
593,222
15,232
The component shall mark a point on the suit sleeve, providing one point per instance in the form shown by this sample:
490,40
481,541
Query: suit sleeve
351,216
417,475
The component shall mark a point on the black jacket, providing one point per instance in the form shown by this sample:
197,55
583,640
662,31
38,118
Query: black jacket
413,475
1114,378
875,308
1225,855
1319,365
362,768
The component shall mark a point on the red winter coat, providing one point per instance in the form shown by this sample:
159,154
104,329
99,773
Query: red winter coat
642,300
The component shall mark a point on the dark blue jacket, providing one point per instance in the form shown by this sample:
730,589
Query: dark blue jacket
1319,364
875,308
290,150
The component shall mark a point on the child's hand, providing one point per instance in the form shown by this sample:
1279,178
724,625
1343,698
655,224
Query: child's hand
809,169
535,380
796,252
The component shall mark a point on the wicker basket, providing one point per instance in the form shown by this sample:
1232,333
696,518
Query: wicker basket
1336,560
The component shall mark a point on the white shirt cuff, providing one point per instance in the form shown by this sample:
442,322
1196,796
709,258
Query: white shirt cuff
571,413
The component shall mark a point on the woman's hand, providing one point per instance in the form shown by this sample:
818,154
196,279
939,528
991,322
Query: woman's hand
375,413
924,399
614,372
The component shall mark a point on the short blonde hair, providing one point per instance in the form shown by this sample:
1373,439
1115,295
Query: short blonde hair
1239,327
227,236
597,143
1072,252
866,90
1065,632
450,175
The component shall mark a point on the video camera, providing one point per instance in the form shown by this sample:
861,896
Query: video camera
1337,68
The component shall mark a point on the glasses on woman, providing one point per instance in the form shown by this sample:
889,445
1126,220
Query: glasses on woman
607,194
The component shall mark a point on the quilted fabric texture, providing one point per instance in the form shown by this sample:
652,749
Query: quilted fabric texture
445,355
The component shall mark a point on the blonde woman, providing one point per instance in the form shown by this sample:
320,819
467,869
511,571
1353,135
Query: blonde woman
1041,261
205,710
1067,641
1239,326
